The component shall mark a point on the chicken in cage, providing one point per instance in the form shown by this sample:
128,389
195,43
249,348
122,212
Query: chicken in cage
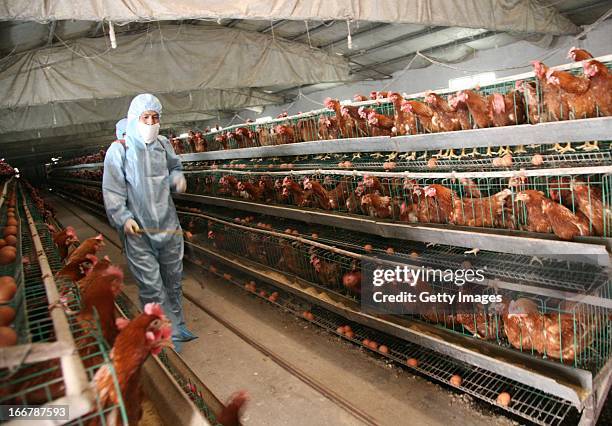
573,333
553,95
569,206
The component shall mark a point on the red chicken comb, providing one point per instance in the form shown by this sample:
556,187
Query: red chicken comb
154,309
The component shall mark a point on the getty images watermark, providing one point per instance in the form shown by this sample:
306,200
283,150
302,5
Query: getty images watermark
406,289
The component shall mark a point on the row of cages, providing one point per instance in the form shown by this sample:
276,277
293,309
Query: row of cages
525,157
553,273
568,205
516,101
576,334
42,382
511,102
527,402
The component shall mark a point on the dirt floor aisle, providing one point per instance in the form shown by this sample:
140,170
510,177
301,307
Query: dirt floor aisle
225,362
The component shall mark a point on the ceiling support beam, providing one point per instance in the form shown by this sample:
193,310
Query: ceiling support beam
430,49
96,29
52,26
317,28
273,25
354,34
389,43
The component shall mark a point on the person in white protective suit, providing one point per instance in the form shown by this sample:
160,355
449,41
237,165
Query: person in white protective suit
138,177
120,128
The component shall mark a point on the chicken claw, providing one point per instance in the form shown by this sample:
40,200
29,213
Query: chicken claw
474,251
392,156
356,155
423,157
562,150
376,155
408,156
474,153
589,146
431,245
537,260
443,154
520,150
503,151
488,153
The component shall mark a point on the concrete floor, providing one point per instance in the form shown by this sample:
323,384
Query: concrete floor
226,363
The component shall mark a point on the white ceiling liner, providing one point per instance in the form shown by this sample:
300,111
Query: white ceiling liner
175,59
195,105
501,15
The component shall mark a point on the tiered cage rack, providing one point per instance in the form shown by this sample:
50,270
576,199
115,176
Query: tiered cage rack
572,282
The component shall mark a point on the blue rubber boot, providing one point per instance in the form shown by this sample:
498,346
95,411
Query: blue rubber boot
185,335
178,346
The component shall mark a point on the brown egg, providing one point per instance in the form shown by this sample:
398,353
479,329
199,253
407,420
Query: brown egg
2,243
9,230
12,222
8,337
7,315
432,163
383,349
340,330
227,277
412,362
349,334
503,399
262,293
414,255
537,160
347,328
456,380
314,236
8,288
373,345
212,269
368,248
390,250
11,240
8,254
365,342
390,165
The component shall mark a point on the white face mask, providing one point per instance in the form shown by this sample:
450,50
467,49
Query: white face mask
148,132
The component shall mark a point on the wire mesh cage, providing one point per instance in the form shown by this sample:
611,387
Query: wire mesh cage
87,173
568,205
511,101
575,333
42,377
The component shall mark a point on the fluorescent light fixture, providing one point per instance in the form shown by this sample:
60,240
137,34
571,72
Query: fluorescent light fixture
263,119
268,91
471,81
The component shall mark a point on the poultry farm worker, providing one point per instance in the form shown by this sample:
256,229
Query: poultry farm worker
138,177
120,128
